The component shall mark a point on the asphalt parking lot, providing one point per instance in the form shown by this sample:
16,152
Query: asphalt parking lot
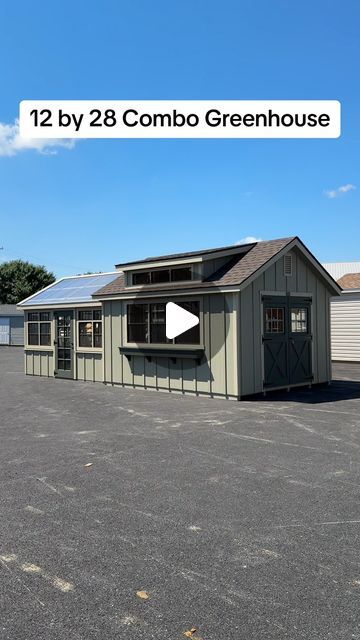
239,520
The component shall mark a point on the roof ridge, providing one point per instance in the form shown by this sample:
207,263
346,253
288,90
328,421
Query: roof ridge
190,254
88,275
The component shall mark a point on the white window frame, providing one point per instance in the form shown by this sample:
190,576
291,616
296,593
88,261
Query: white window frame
91,349
165,345
37,347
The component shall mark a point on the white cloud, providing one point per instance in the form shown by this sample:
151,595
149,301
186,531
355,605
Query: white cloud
11,142
334,193
346,188
248,240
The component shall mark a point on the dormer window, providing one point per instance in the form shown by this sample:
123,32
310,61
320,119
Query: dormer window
161,276
181,273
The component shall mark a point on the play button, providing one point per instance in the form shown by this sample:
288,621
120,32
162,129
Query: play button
178,320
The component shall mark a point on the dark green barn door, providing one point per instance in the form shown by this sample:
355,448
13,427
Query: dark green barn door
287,341
64,347
275,339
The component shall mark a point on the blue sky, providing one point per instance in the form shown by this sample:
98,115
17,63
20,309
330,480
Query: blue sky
106,201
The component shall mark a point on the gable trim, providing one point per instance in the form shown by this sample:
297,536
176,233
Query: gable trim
296,242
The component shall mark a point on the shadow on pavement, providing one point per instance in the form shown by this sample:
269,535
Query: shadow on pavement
337,391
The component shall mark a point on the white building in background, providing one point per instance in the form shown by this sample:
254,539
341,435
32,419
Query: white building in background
339,269
345,312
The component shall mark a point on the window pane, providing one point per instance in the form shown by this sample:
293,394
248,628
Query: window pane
45,334
64,332
64,354
157,313
192,336
98,341
64,342
182,273
85,341
97,327
158,333
141,278
61,364
299,320
33,333
274,320
137,322
163,275
85,334
137,333
189,337
32,317
193,306
85,315
157,323
97,314
33,327
45,316
137,313
98,334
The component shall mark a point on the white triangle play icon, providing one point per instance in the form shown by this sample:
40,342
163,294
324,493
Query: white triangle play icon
178,320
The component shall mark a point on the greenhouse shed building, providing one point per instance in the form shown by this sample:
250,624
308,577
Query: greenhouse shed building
263,310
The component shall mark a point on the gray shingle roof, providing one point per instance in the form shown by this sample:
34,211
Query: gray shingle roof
239,268
10,310
253,260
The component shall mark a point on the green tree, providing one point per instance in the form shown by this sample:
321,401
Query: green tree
19,279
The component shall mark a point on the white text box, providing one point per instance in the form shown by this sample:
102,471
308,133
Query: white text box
180,119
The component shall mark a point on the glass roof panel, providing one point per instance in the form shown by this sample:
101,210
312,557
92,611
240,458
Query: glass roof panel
72,290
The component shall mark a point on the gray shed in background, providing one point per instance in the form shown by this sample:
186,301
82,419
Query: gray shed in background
11,325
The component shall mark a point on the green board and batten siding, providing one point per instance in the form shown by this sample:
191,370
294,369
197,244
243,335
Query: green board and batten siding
39,363
303,280
89,367
218,318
